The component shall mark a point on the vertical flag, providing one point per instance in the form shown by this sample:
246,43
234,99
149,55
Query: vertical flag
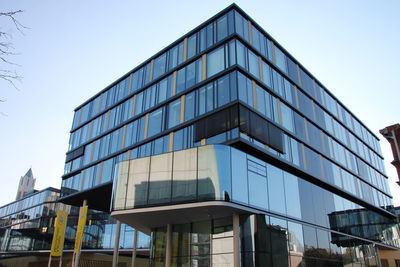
59,233
81,228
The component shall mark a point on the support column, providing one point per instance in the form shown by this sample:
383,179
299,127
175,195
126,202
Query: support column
78,254
135,241
168,247
116,244
236,240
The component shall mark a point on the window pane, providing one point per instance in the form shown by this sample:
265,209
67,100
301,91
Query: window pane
276,190
190,106
174,111
215,61
292,196
239,177
222,28
138,182
223,91
160,178
253,65
184,185
258,195
155,122
191,46
159,65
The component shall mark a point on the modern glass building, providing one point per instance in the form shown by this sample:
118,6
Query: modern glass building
228,152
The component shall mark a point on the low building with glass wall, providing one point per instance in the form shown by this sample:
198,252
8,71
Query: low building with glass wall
228,152
27,227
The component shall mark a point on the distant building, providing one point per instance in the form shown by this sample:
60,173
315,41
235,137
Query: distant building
26,185
392,134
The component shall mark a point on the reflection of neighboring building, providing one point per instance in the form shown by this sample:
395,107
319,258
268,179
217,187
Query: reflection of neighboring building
227,151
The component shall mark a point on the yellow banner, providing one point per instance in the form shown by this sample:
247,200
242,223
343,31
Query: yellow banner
58,237
81,228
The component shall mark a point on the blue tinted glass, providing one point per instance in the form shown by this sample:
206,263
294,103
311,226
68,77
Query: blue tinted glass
215,61
201,101
292,196
180,81
258,193
239,177
242,87
141,125
159,65
190,105
210,97
223,91
191,46
174,110
261,107
173,58
155,122
253,65
223,156
139,103
178,140
276,190
106,173
241,55
190,75
222,28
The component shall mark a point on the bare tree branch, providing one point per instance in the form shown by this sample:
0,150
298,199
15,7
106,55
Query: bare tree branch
7,49
11,15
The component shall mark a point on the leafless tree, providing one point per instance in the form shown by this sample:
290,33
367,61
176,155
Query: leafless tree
7,50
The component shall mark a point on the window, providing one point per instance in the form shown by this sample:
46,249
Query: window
385,263
190,75
160,178
106,174
276,190
292,195
159,65
280,59
239,177
184,184
222,28
223,91
180,80
164,89
155,122
139,103
190,106
266,74
215,61
287,117
254,68
191,46
174,111
241,26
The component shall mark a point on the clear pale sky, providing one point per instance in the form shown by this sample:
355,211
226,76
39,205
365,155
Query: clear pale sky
75,48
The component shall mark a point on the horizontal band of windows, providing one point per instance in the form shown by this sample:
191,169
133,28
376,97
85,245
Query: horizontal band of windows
261,84
150,83
272,65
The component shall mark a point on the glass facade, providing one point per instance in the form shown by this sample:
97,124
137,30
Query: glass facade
226,114
28,225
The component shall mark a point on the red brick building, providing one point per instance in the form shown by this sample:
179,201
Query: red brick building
392,134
